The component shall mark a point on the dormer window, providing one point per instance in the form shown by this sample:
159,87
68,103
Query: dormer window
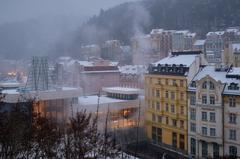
212,87
204,85
233,86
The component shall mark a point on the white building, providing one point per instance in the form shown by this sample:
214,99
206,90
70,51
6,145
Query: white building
206,111
123,104
214,46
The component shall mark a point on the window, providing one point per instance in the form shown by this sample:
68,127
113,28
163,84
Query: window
204,85
159,119
233,151
156,134
157,93
153,117
172,95
166,107
174,83
204,130
174,122
204,116
182,124
192,114
182,110
212,132
192,100
193,146
167,120
172,108
204,149
166,81
232,134
212,117
211,86
166,94
153,92
158,106
174,139
193,127
204,99
159,81
182,96
232,102
212,100
215,150
181,83
232,118
153,105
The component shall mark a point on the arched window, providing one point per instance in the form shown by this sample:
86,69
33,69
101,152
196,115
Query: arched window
204,85
212,87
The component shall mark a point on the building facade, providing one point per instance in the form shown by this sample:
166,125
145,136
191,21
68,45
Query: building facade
166,99
231,103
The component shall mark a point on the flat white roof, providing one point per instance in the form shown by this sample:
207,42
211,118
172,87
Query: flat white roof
199,42
13,96
234,71
121,90
186,60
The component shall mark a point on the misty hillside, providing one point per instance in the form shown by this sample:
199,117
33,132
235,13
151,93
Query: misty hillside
57,36
126,20
35,36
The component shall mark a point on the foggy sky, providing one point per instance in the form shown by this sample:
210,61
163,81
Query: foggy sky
18,10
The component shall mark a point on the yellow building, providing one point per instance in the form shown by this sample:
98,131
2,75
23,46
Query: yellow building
166,116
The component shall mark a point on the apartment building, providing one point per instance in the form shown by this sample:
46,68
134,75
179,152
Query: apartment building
166,99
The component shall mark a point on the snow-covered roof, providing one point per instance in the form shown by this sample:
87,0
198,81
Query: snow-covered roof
121,90
185,60
133,69
232,30
182,31
216,75
234,71
93,100
191,34
215,33
199,42
236,47
156,31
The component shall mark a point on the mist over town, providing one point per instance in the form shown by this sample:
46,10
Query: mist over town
122,79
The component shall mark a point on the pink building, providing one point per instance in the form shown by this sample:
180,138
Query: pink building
92,75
